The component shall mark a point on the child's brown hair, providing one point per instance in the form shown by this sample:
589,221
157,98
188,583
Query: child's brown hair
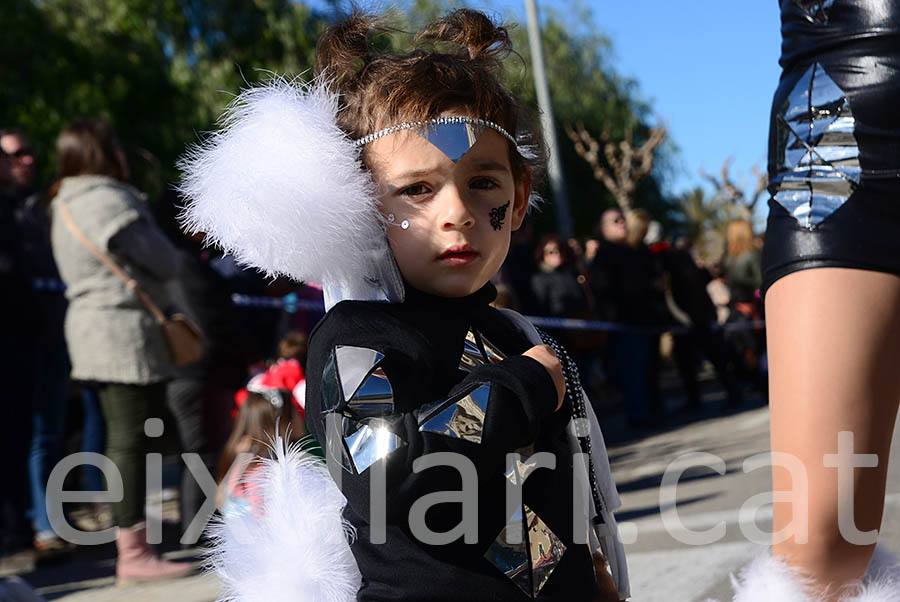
382,89
258,420
293,345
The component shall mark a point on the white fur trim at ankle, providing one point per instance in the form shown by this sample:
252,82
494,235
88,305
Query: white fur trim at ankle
769,579
882,580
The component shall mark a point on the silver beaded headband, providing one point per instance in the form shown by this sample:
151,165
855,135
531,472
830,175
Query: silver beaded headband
409,125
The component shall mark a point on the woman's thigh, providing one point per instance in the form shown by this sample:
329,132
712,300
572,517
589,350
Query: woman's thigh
834,367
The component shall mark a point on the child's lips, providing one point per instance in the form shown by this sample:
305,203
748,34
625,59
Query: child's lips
458,255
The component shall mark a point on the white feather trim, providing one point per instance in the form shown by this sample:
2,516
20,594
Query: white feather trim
297,548
769,579
882,580
281,187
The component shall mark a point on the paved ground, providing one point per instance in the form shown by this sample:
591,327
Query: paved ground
663,567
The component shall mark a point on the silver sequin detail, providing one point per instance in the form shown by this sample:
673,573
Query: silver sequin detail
423,125
817,154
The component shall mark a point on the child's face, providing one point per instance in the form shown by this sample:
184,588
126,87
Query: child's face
460,215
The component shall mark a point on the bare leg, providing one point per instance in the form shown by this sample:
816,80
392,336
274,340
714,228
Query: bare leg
833,340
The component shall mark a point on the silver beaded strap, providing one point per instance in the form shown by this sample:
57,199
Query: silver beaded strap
409,125
575,395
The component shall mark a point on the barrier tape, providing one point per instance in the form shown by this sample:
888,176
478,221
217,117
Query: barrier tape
291,303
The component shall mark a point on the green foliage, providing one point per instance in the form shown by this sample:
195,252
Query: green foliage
156,69
162,71
585,87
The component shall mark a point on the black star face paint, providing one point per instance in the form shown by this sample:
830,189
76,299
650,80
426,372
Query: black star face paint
498,215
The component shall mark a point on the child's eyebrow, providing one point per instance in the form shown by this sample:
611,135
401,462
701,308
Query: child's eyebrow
488,165
413,173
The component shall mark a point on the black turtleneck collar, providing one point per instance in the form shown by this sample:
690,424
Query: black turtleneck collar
416,299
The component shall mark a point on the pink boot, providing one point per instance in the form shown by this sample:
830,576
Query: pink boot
137,563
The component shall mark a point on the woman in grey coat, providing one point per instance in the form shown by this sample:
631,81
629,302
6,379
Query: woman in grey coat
113,340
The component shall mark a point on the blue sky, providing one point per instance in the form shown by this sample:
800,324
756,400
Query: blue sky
708,67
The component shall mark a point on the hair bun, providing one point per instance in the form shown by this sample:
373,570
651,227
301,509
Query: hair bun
473,31
344,48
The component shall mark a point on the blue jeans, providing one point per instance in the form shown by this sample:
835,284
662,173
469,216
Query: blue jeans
48,427
630,363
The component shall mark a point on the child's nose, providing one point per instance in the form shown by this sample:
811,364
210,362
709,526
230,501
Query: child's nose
456,212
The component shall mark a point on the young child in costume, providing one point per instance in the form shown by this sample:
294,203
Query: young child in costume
397,180
262,417
286,373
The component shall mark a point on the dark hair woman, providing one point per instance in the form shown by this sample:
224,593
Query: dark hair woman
113,340
556,285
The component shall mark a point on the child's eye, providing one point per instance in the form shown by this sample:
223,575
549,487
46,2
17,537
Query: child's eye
415,190
484,183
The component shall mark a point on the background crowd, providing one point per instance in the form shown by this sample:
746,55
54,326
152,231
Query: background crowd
88,364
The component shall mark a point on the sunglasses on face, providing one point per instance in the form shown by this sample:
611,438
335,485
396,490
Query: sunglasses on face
22,152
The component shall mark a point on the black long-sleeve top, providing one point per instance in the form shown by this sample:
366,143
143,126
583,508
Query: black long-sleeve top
422,341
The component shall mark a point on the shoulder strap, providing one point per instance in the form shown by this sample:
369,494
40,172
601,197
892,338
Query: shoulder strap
106,260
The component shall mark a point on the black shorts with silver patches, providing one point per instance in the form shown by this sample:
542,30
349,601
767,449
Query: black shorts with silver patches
834,140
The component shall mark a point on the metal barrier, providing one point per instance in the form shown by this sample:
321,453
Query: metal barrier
292,303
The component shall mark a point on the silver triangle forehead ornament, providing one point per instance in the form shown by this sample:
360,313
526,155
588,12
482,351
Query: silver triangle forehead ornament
453,136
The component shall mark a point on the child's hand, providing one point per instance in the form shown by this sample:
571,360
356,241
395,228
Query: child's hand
545,355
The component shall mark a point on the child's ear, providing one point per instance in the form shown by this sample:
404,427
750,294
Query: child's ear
523,194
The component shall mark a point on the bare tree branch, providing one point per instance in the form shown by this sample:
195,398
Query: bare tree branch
625,165
733,196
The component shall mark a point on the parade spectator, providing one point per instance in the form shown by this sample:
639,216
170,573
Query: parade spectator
20,324
687,287
51,361
742,264
555,285
199,395
518,268
621,283
113,340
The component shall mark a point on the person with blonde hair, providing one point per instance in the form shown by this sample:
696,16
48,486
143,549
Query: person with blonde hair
741,265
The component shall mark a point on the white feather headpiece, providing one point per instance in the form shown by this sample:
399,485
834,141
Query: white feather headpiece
282,188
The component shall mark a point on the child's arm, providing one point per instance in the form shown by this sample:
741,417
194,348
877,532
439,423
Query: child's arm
494,410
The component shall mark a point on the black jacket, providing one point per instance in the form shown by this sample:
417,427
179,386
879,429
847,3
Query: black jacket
422,341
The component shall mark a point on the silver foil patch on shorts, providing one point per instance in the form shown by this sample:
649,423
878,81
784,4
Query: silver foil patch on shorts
816,10
817,159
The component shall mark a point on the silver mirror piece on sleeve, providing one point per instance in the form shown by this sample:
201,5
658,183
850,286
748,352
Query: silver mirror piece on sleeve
477,351
332,396
371,442
518,473
462,418
354,364
471,355
374,397
817,154
355,386
526,551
